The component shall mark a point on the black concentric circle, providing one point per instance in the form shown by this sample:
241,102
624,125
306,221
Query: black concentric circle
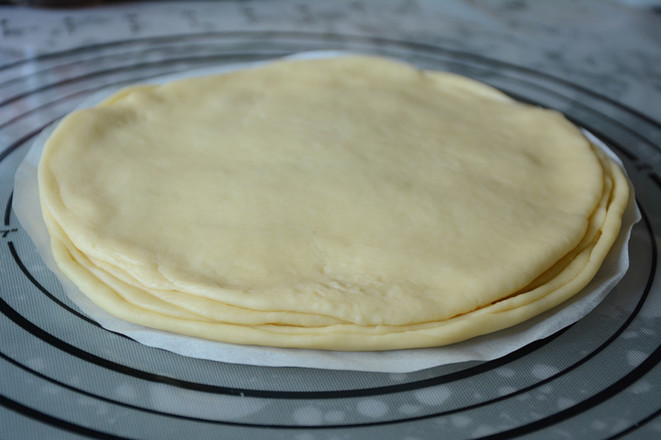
83,362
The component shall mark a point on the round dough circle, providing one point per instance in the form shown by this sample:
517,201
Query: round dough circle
344,203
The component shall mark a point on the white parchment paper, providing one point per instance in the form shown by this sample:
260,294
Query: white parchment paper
27,208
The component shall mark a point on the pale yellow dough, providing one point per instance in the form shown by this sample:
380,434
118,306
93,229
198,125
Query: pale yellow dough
349,203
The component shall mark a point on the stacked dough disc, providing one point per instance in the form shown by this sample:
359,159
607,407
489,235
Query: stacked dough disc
350,203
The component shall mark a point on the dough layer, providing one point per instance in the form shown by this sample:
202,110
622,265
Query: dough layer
350,203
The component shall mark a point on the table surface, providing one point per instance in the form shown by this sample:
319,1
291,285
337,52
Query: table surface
64,376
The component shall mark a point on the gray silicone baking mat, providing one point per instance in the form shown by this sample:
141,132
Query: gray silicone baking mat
63,376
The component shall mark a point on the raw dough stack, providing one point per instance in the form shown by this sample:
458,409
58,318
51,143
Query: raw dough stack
350,203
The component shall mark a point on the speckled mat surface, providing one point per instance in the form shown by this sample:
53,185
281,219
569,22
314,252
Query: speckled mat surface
64,376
